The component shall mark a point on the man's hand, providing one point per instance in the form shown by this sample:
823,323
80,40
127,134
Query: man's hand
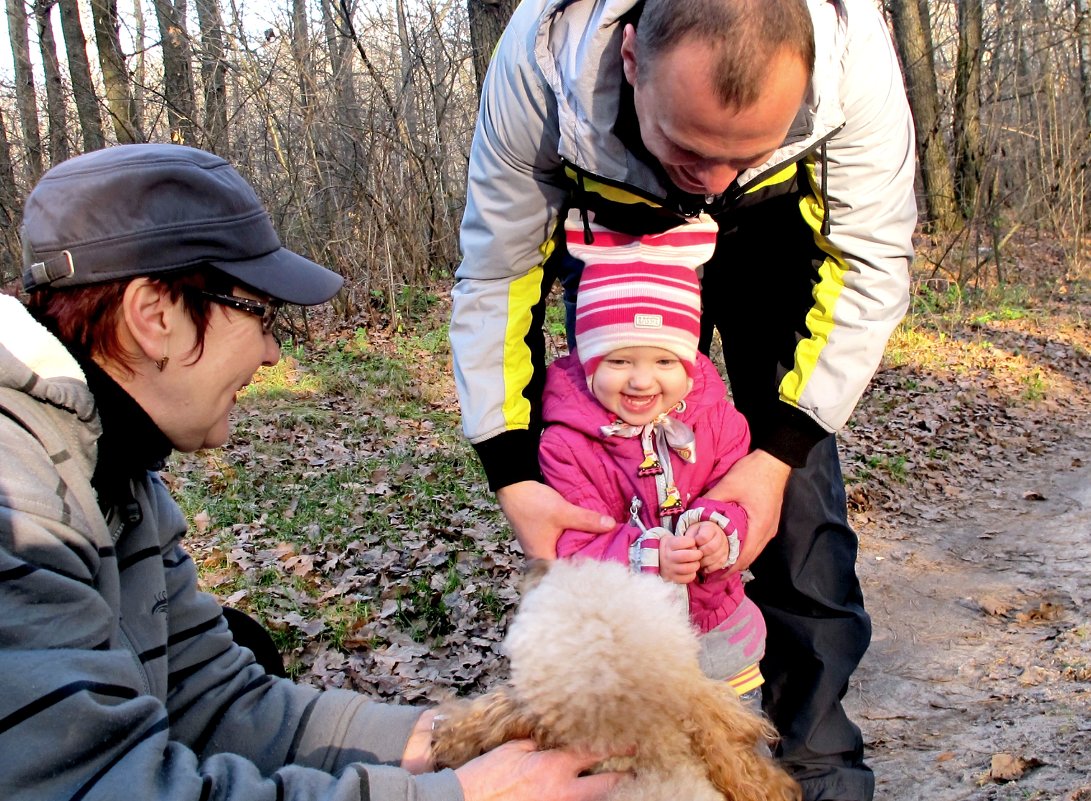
539,515
756,482
517,771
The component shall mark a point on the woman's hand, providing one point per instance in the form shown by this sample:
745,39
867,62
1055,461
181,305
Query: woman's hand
518,771
417,756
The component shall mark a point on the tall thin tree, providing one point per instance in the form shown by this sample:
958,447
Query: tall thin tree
487,21
1083,45
178,91
56,125
213,74
967,111
10,205
120,101
79,69
26,96
913,37
139,61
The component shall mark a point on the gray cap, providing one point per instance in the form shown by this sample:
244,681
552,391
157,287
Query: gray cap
135,210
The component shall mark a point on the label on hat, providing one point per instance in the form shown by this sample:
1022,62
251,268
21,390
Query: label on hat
648,320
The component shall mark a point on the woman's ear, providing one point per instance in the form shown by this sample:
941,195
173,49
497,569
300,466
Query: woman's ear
150,317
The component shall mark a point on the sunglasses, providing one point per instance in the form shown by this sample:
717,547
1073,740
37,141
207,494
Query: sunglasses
266,311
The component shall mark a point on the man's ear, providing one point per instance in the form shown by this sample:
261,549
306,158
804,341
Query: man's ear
628,53
150,316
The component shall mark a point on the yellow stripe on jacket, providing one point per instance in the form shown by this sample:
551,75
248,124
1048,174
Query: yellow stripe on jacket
523,296
831,281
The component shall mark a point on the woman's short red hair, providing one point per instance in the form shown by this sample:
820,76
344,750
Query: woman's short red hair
85,318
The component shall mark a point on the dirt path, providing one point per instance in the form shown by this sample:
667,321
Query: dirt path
982,642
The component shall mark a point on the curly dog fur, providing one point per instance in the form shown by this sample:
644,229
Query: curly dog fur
605,660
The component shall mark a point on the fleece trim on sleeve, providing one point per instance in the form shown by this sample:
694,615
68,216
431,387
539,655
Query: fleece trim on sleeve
509,458
377,732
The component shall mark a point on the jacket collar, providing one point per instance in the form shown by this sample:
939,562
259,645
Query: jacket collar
131,444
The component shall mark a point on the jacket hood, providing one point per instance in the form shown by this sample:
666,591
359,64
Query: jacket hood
567,400
34,361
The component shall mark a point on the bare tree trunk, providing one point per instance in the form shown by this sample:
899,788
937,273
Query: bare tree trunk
56,126
79,69
1083,41
25,94
408,107
177,71
487,21
913,37
115,74
967,112
10,258
1043,47
140,71
347,106
213,74
301,54
9,193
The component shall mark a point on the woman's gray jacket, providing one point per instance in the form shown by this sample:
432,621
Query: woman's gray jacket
120,679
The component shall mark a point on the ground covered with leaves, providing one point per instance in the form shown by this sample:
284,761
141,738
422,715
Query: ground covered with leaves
350,517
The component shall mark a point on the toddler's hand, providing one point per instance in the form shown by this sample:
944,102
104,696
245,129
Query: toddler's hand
679,559
712,542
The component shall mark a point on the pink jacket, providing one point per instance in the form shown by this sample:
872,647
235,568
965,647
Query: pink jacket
600,473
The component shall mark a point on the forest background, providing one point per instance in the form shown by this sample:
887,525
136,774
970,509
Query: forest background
351,518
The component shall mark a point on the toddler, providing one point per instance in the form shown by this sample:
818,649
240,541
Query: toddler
639,427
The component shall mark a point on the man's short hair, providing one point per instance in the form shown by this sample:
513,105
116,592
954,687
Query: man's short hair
746,34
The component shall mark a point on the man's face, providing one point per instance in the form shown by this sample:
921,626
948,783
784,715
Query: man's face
701,143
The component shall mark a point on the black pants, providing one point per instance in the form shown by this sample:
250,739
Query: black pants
757,291
806,586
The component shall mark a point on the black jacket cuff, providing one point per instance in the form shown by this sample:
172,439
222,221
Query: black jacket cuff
509,458
788,434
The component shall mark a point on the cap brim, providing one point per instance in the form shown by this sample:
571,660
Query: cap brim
285,276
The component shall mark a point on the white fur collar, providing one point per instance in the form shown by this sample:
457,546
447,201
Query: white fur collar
30,343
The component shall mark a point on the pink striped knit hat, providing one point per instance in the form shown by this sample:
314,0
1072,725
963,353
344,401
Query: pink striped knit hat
639,290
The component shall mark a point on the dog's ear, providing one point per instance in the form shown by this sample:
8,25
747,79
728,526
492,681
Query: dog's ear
732,742
533,573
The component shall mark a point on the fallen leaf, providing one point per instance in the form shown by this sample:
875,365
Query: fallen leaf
1033,676
993,606
1045,611
1009,768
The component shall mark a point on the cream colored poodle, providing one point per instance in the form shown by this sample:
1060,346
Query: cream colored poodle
606,660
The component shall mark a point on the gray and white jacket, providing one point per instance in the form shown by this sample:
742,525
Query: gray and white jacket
121,679
547,133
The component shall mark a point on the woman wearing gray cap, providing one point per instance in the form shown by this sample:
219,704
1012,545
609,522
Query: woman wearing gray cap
155,277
